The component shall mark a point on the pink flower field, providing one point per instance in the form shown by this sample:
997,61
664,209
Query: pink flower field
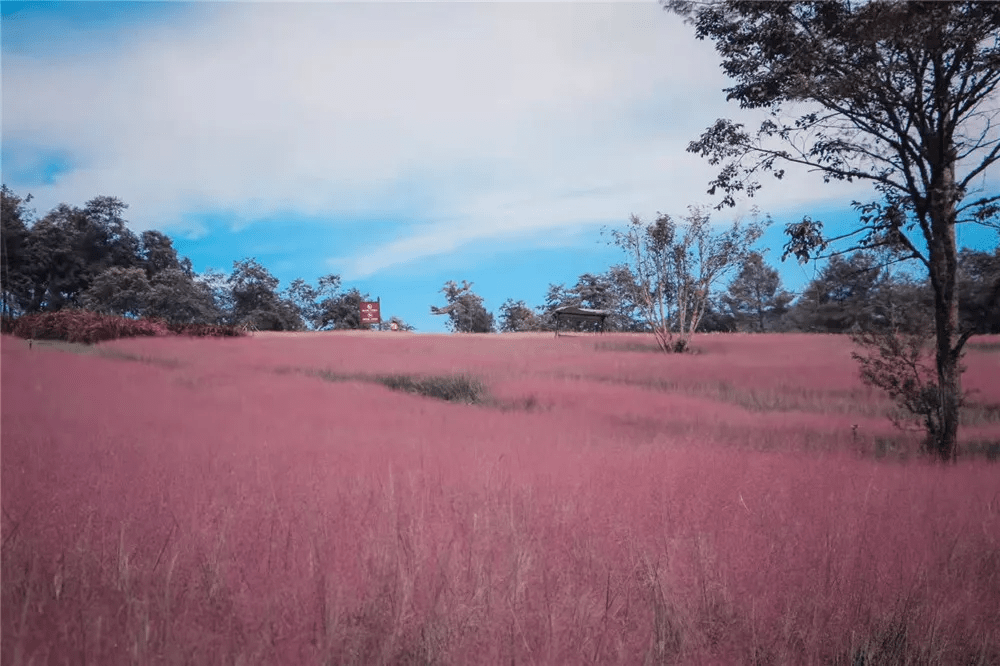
265,500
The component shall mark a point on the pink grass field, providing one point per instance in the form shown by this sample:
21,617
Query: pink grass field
207,501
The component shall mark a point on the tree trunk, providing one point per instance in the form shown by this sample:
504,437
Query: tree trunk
943,259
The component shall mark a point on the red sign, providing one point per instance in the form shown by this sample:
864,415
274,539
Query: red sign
370,313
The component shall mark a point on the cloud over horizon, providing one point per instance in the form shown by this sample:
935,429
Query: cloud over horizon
468,122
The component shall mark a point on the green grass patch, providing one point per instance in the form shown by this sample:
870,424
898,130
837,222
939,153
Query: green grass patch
459,388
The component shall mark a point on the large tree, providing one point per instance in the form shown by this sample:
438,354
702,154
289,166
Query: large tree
675,266
900,94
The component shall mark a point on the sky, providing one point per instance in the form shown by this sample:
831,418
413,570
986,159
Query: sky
396,144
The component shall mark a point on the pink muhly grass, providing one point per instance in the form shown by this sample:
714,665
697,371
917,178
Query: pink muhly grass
221,511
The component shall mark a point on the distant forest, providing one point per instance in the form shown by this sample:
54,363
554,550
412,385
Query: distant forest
88,258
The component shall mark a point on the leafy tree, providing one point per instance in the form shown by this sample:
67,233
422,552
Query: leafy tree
314,304
902,304
217,284
106,238
158,254
718,320
557,296
516,316
594,292
67,249
979,290
465,309
119,291
755,297
676,266
303,296
15,235
626,315
179,298
58,270
256,301
898,94
842,297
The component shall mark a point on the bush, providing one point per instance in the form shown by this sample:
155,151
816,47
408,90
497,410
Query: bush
85,327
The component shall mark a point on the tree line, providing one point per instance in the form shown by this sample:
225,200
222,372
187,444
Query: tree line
88,258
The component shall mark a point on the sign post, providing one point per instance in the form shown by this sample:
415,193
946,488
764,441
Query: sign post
371,312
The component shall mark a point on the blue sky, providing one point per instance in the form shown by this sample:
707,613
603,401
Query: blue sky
399,145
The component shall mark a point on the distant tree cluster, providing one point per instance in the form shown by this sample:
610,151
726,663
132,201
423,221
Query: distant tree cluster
88,258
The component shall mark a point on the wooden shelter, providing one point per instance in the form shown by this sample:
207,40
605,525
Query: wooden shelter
573,313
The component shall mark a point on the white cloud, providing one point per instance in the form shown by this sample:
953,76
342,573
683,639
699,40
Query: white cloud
501,119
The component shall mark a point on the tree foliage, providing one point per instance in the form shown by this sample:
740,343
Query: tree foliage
899,94
755,298
15,269
842,297
516,317
119,291
979,291
178,298
465,309
256,301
